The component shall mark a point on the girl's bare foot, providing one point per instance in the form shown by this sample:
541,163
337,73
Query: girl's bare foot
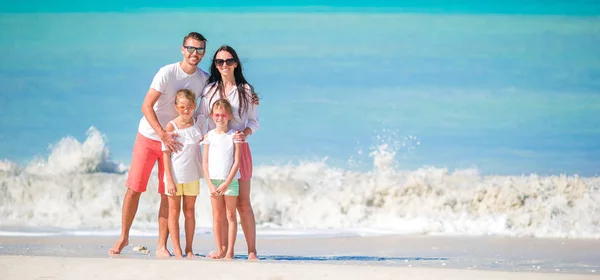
216,255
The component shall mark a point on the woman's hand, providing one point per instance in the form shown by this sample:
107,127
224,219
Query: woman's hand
239,136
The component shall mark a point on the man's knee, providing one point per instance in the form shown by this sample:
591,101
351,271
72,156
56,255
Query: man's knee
132,195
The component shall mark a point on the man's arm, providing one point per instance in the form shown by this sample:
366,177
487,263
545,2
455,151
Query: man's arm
148,111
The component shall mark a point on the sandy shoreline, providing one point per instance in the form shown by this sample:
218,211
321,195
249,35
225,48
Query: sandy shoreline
28,267
289,257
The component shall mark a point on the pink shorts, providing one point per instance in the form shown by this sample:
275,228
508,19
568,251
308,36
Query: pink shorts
146,152
246,162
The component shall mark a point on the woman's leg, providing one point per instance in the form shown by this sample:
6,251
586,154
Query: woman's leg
243,204
247,218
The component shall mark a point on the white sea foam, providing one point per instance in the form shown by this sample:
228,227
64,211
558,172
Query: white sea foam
70,156
74,191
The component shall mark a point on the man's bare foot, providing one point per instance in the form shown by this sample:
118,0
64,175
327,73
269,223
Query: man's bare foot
115,250
215,255
163,253
252,256
189,255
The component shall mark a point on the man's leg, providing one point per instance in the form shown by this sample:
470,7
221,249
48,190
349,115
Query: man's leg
130,206
163,227
163,211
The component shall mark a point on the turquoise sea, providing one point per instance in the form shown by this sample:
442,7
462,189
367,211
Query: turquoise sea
376,98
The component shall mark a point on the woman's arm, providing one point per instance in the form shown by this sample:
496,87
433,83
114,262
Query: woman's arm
253,124
203,110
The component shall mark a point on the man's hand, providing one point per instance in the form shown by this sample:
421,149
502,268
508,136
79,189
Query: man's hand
168,138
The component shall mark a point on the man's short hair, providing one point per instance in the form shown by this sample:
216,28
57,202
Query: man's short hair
194,35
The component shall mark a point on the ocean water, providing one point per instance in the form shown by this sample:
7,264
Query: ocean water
436,121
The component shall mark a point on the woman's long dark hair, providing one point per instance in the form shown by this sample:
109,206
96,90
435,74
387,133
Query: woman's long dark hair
215,77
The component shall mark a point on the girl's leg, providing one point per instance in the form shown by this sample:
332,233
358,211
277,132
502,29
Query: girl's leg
247,218
173,223
230,204
224,231
189,212
218,210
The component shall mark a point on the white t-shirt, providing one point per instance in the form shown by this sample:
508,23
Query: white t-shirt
186,165
220,154
168,81
247,119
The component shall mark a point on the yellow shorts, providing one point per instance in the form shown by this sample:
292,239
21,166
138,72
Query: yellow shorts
187,189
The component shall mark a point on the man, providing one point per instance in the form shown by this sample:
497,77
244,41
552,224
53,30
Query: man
158,109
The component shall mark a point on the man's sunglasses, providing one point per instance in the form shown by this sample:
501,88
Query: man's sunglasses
191,49
220,62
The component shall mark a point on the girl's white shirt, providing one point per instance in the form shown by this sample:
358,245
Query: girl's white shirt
238,123
186,165
220,154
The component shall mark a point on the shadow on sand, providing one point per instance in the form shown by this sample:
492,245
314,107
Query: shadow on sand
340,258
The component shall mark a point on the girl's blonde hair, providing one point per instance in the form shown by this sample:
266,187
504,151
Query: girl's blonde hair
187,94
223,104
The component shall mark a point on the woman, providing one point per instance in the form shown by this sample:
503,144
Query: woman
227,81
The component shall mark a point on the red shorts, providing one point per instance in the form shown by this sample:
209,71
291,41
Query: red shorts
146,152
245,162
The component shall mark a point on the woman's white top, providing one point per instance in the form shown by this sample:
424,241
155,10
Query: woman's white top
238,123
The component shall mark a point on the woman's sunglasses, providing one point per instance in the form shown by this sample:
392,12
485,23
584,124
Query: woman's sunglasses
220,62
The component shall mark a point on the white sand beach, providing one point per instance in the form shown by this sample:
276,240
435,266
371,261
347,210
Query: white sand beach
66,268
302,257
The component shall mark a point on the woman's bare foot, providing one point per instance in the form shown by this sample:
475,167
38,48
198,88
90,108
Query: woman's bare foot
115,250
252,256
164,253
228,257
189,255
